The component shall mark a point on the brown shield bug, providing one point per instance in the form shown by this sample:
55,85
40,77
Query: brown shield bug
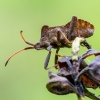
60,36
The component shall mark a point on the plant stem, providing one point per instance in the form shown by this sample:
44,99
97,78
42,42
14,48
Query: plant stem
81,97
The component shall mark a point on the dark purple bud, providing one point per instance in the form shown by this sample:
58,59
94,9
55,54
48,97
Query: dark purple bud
59,85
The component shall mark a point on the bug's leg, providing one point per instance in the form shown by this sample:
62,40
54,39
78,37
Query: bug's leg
85,43
58,38
56,57
17,53
69,42
48,57
25,40
58,48
55,66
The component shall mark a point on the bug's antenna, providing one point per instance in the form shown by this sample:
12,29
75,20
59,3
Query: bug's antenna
25,40
17,53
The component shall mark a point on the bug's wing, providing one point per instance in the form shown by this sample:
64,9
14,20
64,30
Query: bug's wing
82,28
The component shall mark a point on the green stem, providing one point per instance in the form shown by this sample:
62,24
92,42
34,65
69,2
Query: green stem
81,97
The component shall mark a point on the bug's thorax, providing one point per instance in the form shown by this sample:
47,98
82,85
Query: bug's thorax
51,38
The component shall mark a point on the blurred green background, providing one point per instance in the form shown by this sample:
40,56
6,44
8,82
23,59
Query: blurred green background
24,78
